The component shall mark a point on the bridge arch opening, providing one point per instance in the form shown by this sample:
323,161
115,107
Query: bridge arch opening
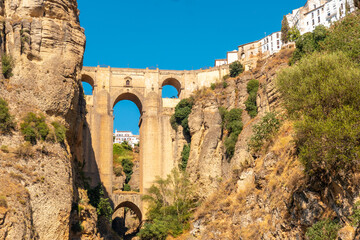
87,84
127,219
170,88
127,111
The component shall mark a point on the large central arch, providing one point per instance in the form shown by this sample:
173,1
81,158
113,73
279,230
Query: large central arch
131,96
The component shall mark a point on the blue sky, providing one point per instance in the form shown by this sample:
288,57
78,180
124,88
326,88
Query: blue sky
172,34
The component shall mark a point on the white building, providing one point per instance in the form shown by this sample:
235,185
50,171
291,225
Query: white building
122,136
219,62
232,56
318,12
271,44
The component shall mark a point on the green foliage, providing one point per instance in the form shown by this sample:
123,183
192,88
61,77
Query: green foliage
182,112
293,34
127,187
236,68
98,200
60,132
323,90
171,202
173,122
122,151
250,103
284,30
7,66
184,157
225,84
323,230
213,86
309,43
345,36
127,166
233,124
226,77
263,131
355,217
6,120
34,128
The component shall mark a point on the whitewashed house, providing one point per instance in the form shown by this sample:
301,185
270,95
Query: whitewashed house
122,136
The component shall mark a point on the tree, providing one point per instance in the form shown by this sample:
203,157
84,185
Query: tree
285,30
293,34
236,68
6,120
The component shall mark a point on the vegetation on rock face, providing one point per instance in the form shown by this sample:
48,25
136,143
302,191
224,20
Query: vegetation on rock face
181,116
263,131
323,88
6,120
59,131
236,68
323,230
100,202
250,103
293,34
123,162
184,157
34,128
171,202
233,124
284,30
309,43
7,65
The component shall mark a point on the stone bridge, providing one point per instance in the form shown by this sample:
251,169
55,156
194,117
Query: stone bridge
158,151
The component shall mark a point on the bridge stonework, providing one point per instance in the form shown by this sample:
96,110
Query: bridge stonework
144,88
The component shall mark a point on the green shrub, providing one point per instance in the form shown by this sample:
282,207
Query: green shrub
231,121
173,123
225,84
263,131
118,171
98,200
127,187
321,91
182,112
34,128
250,103
344,36
309,43
4,148
60,132
213,86
355,217
7,66
127,166
226,77
236,68
171,203
6,120
293,34
184,157
323,230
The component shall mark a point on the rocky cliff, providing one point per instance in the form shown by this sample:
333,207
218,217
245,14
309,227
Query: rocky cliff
45,43
257,196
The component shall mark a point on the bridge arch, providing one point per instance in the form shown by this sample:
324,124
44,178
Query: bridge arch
86,78
172,82
131,206
132,95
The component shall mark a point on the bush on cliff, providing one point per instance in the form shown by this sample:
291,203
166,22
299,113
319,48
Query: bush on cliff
184,157
7,66
34,128
250,103
59,132
6,120
182,112
231,121
323,230
322,91
171,202
236,68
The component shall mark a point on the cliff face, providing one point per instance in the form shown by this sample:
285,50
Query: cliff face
46,44
262,196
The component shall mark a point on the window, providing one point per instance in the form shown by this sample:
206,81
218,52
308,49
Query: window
319,19
318,12
277,35
127,82
308,23
312,14
313,22
278,42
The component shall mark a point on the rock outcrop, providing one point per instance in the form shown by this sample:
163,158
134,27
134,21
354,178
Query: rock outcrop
46,44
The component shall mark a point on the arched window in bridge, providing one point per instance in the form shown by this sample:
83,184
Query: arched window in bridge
128,81
171,88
